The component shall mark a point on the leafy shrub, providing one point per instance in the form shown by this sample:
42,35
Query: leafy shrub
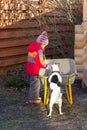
16,82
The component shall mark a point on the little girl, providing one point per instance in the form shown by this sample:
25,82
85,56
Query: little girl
35,61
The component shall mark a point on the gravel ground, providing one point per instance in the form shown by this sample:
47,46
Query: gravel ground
15,114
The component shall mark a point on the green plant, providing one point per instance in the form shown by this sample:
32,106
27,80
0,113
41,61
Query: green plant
16,82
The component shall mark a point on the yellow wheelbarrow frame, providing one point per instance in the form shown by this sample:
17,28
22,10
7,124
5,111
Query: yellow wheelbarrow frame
68,89
46,90
68,72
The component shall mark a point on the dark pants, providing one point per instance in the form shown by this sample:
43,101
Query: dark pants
34,87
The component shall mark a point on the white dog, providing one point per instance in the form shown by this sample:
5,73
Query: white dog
55,81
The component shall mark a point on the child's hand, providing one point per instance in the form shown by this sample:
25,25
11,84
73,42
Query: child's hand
48,67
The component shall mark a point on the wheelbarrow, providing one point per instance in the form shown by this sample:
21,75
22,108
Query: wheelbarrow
68,72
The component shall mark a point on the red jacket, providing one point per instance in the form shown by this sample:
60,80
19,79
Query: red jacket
35,59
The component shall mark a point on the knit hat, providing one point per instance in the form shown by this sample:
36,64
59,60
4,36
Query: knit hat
42,39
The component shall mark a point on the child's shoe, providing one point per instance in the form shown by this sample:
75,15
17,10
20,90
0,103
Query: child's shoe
37,101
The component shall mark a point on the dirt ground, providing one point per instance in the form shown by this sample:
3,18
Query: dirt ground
15,114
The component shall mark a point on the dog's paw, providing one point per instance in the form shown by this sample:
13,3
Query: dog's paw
49,116
61,113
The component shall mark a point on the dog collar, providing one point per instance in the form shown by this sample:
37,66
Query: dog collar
56,71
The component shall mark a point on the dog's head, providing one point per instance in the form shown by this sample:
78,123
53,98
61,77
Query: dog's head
55,76
55,68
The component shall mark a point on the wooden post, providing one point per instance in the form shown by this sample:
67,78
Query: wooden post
85,11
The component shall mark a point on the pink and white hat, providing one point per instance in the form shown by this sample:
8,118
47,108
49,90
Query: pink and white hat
43,39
